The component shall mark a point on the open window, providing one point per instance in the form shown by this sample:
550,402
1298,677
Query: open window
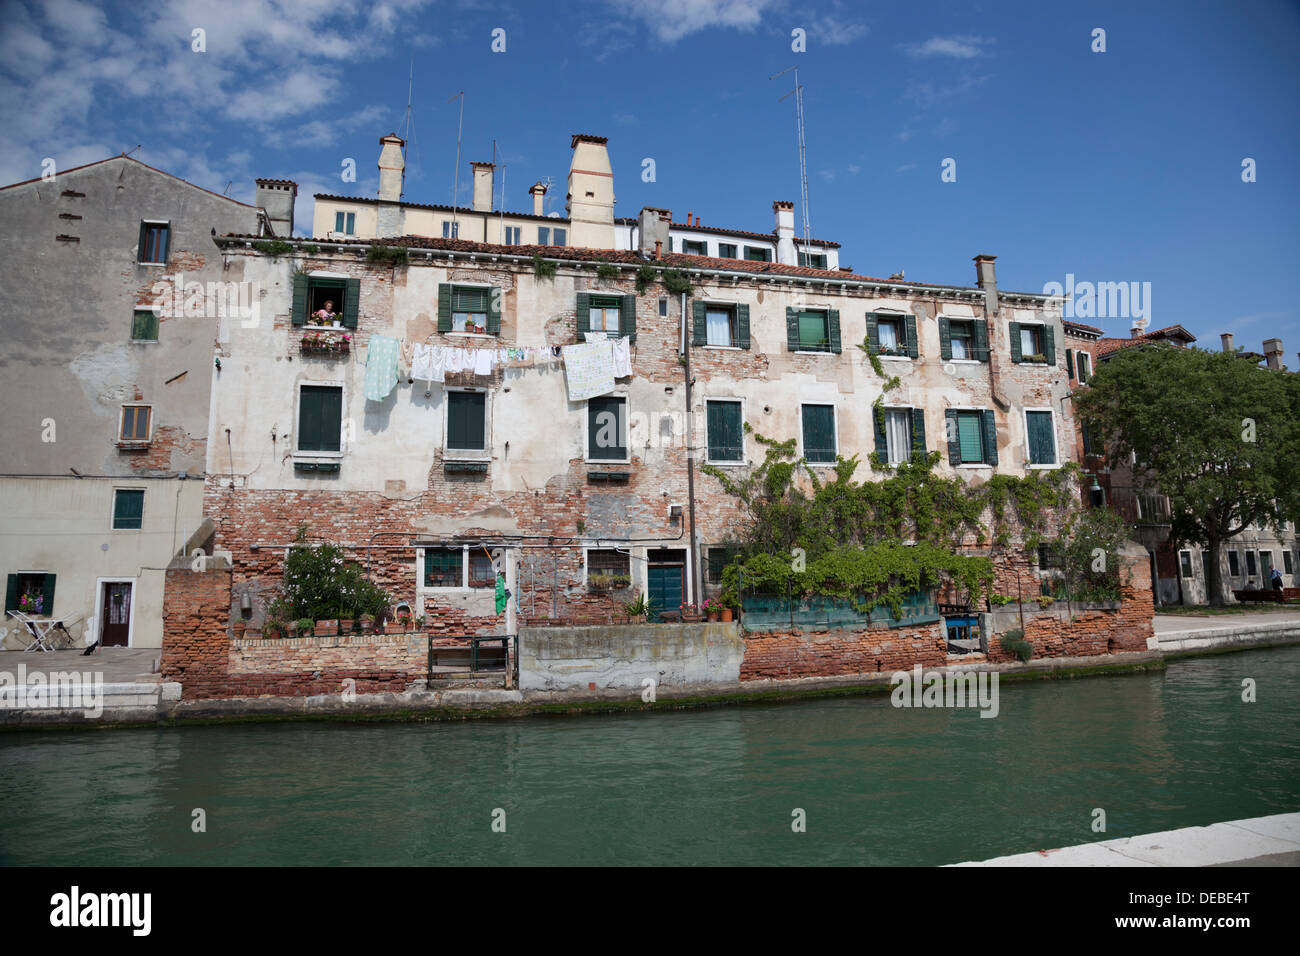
720,324
891,334
695,247
323,300
963,340
155,240
758,254
608,315
469,308
812,330
727,250
900,434
814,260
1032,342
31,592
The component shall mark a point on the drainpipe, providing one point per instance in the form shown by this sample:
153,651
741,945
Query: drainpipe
690,463
986,279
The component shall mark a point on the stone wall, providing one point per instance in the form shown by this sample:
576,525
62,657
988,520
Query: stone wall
781,655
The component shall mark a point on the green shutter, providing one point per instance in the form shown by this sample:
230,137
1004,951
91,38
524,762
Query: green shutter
945,340
990,438
627,317
494,311
981,342
819,433
1015,341
726,441
970,435
128,509
918,431
583,314
742,326
954,437
351,300
597,410
309,406
299,298
1049,344
144,326
47,606
11,594
873,334
791,329
444,307
882,443
910,324
466,417
699,328
834,323
1069,363
1042,448
139,251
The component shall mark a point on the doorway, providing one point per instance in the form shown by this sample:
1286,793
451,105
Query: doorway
666,582
115,629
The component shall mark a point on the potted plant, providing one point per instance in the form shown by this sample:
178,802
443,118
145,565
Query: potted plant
691,613
327,627
726,614
712,609
345,625
367,623
273,629
637,610
304,626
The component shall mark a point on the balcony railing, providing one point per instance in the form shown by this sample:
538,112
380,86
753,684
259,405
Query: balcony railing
1139,507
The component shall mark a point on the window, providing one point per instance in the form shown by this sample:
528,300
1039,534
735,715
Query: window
813,260
154,239
144,326
972,437
891,334
1185,563
962,336
756,254
31,592
721,325
481,573
1287,564
324,300
1032,343
716,560
320,418
450,230
1234,564
898,435
443,567
512,235
814,331
693,247
469,308
607,429
663,305
726,432
1041,437
559,237
1048,558
1251,567
466,421
1090,445
892,337
1084,362
608,568
128,509
819,433
135,423
603,314
727,250
963,339
346,223
543,235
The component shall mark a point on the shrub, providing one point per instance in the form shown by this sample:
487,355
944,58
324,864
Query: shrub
320,585
606,270
397,255
543,269
1013,642
273,247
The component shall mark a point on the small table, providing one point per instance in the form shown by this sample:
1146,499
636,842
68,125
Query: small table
43,630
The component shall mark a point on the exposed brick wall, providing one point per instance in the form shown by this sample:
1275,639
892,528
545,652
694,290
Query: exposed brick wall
195,644
785,654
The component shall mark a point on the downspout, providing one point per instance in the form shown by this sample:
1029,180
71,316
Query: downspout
690,464
990,317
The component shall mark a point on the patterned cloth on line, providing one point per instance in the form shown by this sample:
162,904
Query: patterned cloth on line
589,370
381,367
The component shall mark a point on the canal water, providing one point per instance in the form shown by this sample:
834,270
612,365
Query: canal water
877,784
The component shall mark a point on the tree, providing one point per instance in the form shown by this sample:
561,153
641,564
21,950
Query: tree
1211,431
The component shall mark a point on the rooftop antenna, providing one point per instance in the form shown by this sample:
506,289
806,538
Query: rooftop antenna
803,151
406,132
501,219
228,185
455,189
129,152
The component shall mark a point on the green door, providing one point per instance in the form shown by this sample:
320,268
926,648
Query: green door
666,586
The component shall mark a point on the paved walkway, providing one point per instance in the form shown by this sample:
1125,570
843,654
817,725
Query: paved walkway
1169,623
1261,841
119,665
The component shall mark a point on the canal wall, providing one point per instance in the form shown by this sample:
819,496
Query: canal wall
624,656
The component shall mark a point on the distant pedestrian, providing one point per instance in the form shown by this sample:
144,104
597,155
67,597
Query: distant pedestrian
1277,579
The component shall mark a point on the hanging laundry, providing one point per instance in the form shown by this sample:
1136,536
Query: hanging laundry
456,360
427,363
483,361
622,356
381,367
590,370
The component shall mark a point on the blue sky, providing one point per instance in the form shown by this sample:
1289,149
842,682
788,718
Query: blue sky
1122,166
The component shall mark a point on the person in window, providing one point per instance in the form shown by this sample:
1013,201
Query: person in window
325,315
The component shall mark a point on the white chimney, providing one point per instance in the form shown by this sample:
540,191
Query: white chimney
539,193
482,186
784,212
590,197
986,278
1226,339
392,168
1273,353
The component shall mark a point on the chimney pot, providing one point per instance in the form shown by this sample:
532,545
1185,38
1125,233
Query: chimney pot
1226,339
659,248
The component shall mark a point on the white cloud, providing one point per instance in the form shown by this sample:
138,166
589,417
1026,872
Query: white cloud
928,93
670,20
959,47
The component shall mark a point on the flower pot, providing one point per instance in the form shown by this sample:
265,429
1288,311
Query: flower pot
713,617
726,614
327,628
346,625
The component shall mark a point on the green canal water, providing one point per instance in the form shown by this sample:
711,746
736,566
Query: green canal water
879,785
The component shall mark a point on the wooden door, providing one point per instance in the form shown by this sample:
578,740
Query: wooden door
117,614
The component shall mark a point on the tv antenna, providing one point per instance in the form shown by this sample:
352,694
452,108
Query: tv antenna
803,151
455,187
406,131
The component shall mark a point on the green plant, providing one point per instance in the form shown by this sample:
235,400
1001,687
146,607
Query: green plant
319,584
608,582
543,269
397,255
606,271
305,623
1000,599
1013,642
641,605
676,282
1045,601
645,278
311,248
273,247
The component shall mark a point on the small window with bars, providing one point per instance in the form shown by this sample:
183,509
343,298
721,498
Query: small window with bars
444,567
608,569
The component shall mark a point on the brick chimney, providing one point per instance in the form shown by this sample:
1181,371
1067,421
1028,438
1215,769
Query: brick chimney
277,197
539,193
783,211
1273,353
652,229
1226,339
482,186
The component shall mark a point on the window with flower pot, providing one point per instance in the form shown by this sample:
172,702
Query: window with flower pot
892,334
608,569
325,300
812,330
31,592
1032,342
135,424
475,309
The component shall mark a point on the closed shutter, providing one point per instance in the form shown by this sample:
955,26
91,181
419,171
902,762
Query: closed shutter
945,340
47,606
627,318
128,509
605,431
699,329
981,340
971,437
1042,448
792,329
910,325
494,311
320,418
990,438
819,433
953,428
918,431
166,247
1015,341
144,237
834,323
1049,344
309,419
300,298
583,314
144,326
882,443
742,326
465,420
351,302
1069,363
11,594
444,307
726,434
873,334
